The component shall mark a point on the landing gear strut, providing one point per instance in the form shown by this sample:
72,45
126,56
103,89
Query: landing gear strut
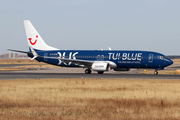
88,71
155,72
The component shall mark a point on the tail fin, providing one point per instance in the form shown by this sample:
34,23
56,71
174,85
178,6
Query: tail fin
34,39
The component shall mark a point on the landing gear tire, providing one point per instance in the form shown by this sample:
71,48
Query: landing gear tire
87,71
155,72
100,72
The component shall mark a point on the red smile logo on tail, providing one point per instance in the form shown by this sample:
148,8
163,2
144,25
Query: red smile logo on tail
33,43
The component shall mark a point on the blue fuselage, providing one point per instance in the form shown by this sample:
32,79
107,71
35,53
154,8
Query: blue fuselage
121,59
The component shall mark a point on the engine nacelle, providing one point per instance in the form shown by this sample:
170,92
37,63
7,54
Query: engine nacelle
121,69
100,66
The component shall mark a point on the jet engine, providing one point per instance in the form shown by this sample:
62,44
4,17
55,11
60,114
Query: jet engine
100,66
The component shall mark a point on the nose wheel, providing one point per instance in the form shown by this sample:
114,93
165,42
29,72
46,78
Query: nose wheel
155,72
88,71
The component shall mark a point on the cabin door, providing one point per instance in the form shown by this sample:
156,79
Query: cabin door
150,59
45,55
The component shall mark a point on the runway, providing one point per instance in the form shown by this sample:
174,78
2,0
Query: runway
59,72
13,65
21,75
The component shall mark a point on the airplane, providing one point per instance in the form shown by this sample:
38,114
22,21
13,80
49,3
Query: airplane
96,60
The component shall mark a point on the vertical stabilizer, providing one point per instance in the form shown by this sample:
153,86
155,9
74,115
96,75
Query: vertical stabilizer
34,39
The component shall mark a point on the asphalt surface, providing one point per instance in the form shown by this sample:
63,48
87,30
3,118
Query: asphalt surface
13,65
79,73
22,75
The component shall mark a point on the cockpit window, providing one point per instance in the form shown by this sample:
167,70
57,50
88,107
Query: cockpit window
161,57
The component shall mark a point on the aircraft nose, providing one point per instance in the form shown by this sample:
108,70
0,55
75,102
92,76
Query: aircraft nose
168,62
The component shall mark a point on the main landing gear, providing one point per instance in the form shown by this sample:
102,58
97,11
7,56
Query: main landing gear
88,71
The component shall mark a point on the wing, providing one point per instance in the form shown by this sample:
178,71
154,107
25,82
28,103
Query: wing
75,61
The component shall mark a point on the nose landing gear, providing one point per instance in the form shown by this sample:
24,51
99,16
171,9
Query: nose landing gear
155,72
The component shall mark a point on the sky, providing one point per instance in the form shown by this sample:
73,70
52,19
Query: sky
150,25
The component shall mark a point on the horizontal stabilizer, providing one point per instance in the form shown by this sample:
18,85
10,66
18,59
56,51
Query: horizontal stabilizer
34,53
20,51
